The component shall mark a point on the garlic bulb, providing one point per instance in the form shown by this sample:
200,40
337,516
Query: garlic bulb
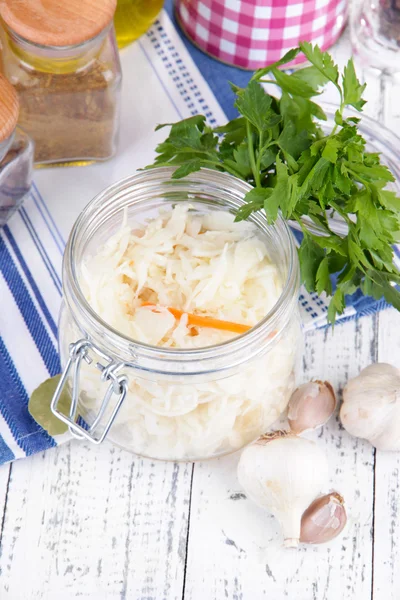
283,473
311,405
371,406
323,520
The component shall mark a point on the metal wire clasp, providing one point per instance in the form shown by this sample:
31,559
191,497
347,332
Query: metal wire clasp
109,372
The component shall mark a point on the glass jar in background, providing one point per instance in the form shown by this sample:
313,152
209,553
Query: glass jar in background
375,34
165,403
16,155
65,67
133,18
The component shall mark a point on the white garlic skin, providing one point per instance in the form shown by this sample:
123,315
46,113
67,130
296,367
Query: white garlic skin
371,406
323,520
283,473
311,406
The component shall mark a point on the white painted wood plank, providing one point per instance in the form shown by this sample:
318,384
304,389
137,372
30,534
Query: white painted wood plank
96,523
234,547
387,465
4,484
387,483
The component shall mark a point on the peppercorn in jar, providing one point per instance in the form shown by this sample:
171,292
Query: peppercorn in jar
61,58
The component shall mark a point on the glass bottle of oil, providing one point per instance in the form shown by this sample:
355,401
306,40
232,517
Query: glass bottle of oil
133,17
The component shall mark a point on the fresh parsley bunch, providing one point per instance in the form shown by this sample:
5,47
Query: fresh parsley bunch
277,146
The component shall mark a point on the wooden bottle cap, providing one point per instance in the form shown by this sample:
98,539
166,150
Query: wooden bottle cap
57,22
9,108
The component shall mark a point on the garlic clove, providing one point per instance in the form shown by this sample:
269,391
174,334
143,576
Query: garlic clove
283,473
323,520
371,406
311,405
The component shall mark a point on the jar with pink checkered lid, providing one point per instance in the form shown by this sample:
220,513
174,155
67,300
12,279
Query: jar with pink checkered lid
254,33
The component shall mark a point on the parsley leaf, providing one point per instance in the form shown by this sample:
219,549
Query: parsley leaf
294,85
330,152
255,105
286,58
188,167
311,255
292,142
352,89
322,277
312,76
304,174
322,61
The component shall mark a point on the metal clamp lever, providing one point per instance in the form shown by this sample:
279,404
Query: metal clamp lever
109,372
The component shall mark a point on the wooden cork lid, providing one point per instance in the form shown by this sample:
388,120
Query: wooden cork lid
9,108
57,22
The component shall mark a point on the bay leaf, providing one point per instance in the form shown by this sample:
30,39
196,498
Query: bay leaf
39,406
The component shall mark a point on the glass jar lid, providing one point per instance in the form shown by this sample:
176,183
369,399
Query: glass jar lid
9,109
57,22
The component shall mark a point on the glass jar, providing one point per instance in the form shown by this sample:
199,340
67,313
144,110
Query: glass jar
16,155
163,403
375,34
69,93
133,18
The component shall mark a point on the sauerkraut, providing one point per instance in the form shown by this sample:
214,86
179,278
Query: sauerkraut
203,264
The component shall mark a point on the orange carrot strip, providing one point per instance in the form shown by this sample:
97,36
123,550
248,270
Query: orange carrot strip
200,321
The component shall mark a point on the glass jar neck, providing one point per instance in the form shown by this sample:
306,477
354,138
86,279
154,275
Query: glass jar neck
54,59
207,187
5,145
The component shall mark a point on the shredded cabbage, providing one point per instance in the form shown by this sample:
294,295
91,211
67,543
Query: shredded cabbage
204,264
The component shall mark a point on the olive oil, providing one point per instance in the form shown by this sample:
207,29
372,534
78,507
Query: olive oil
133,18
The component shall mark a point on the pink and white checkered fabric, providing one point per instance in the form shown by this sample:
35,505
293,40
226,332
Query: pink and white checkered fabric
254,33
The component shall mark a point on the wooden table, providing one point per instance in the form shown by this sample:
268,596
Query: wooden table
101,524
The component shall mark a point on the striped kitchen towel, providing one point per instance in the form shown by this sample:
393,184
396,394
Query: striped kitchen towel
31,245
30,291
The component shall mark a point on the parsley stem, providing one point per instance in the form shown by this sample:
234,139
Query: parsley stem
260,153
269,81
342,213
341,109
225,167
215,164
358,178
302,226
256,172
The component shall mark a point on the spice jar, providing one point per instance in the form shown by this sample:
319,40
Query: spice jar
171,403
16,154
63,62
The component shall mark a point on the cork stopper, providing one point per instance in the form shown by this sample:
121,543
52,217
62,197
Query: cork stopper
57,22
9,108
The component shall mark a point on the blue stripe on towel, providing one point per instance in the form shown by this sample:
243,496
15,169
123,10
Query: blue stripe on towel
5,453
45,257
52,227
13,406
31,280
28,310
